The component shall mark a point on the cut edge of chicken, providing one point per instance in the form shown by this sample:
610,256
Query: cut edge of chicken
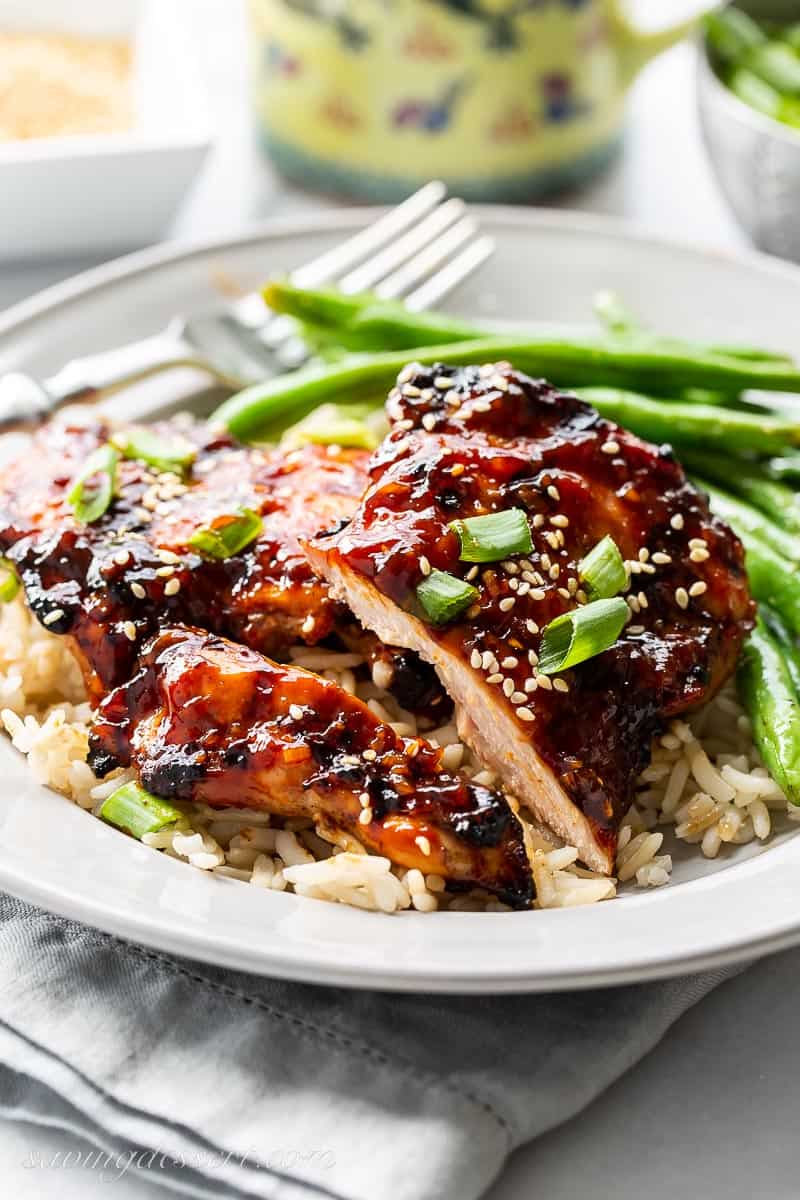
503,748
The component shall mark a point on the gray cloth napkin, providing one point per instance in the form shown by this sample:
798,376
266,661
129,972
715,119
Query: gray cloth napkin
221,1084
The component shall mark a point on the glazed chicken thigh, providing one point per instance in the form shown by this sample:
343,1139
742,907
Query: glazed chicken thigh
467,442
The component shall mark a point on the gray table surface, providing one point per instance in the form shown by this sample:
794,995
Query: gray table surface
712,1111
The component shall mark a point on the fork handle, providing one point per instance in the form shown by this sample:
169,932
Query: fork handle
25,400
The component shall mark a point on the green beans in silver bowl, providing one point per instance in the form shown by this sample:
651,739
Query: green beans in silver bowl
749,97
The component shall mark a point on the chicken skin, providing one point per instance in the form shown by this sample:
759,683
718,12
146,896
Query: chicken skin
206,720
467,442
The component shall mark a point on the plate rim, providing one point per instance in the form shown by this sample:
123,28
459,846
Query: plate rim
153,929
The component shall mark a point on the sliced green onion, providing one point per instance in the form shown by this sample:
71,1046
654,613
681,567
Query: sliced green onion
493,536
228,538
603,570
444,597
164,453
614,315
356,425
9,581
93,489
580,634
130,807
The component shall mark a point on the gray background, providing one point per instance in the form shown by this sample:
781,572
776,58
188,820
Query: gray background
712,1112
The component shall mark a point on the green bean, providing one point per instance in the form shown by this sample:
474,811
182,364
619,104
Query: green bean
750,520
788,644
749,481
773,579
565,363
731,33
365,323
693,424
768,694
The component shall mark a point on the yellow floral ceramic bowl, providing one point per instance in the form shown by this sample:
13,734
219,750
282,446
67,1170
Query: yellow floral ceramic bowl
503,99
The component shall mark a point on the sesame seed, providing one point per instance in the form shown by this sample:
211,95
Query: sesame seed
509,663
648,568
427,394
634,566
138,591
173,587
553,492
697,543
537,594
560,521
580,596
644,554
129,629
487,659
457,469
642,599
167,556
471,573
424,844
518,697
443,382
523,588
538,520
554,571
482,406
698,589
525,714
546,562
407,373
698,556
514,584
610,447
563,593
552,540
533,658
531,627
508,687
572,586
510,567
411,390
424,565
429,421
473,611
661,558
633,603
561,685
365,816
531,684
544,681
676,521
499,382
507,603
53,616
496,678
681,597
296,712
122,558
165,572
475,660
636,629
370,755
403,426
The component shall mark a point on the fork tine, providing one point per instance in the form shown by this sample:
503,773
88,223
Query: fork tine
425,263
455,272
367,241
364,277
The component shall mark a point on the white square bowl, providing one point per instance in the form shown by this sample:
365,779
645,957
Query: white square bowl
107,192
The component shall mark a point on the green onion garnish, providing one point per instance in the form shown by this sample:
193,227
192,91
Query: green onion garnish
164,453
580,634
354,425
444,597
603,570
130,807
9,581
93,489
493,536
227,539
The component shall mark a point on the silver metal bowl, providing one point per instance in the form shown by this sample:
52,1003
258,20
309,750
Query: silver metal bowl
756,159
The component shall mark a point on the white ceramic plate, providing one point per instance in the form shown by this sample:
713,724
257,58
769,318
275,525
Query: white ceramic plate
547,267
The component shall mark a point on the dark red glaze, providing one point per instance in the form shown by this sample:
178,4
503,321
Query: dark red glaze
267,596
206,720
476,440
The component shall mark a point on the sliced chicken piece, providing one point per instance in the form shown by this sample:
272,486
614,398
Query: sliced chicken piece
212,722
109,585
472,441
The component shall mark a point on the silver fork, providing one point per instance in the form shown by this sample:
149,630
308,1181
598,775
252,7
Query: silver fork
418,251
